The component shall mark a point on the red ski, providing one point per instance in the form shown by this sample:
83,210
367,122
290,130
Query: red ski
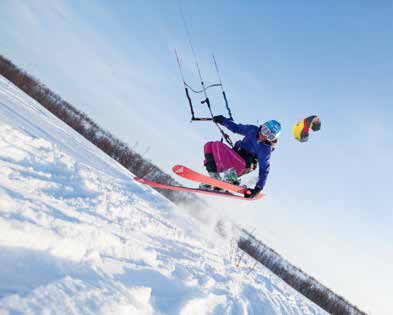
188,173
195,190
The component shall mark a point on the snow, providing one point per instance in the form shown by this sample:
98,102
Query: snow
79,236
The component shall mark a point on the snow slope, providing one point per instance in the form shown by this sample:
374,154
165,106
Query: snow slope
79,236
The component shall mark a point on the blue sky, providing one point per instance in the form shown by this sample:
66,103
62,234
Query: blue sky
328,207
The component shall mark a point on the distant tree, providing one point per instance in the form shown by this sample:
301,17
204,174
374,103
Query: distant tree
295,277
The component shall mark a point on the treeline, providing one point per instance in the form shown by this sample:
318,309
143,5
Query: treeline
79,121
295,277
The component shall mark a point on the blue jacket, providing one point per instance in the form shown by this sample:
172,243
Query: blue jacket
250,144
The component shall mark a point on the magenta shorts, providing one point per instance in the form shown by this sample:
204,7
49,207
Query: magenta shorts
225,157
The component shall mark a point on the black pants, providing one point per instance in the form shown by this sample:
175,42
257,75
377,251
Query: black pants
211,166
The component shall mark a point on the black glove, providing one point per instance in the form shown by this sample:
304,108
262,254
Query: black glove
219,119
251,193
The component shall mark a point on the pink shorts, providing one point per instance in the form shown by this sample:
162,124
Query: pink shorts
225,157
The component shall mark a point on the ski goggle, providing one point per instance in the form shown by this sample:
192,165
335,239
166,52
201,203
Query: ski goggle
265,131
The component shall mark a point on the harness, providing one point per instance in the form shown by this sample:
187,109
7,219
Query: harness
250,159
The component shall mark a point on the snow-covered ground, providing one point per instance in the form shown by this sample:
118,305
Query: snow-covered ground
79,236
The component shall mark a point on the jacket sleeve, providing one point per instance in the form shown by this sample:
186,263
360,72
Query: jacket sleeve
264,168
237,128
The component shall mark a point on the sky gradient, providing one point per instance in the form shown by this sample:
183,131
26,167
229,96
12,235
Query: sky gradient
328,207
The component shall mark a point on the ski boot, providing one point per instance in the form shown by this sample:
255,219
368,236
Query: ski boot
230,176
210,187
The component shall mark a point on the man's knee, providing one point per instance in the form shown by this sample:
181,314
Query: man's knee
207,148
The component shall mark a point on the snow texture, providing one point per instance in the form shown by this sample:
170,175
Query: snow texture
79,236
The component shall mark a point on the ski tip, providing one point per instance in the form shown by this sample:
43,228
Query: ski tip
259,196
178,169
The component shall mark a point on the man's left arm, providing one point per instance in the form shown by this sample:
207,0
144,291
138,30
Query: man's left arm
264,168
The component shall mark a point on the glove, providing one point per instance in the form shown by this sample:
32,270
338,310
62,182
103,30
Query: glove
251,193
219,119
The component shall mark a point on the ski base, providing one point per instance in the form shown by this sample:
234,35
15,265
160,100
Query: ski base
194,190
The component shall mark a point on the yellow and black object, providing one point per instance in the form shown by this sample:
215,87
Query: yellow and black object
301,129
